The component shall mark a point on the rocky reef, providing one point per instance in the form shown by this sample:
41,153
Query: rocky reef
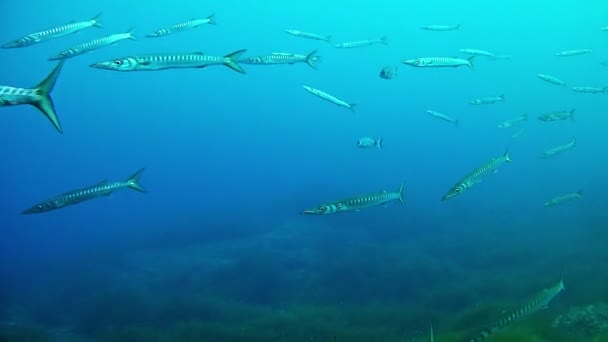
589,320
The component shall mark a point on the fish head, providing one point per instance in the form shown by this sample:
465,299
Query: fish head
119,64
42,207
414,62
21,42
320,210
455,191
475,102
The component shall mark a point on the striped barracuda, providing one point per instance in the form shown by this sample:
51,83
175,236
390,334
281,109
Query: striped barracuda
435,62
559,149
284,58
564,198
171,61
39,96
511,122
186,25
442,116
101,189
476,176
357,203
330,98
538,303
441,27
573,52
308,35
590,90
488,100
475,52
55,32
557,116
93,45
551,79
362,43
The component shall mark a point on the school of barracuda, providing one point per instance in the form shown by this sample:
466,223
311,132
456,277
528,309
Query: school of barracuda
39,96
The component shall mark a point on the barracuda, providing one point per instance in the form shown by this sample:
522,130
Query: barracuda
330,98
590,90
56,32
93,45
284,58
476,176
559,149
309,35
511,122
39,96
564,198
476,52
539,302
442,116
171,61
573,52
557,116
551,79
186,25
357,203
362,43
441,27
101,189
438,62
488,100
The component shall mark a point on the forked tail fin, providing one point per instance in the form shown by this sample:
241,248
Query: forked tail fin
211,19
231,61
312,59
133,181
95,20
400,192
45,102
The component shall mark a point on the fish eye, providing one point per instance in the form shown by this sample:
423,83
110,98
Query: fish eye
417,61
457,190
39,206
322,209
118,62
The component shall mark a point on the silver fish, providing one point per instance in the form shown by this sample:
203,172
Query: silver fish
357,203
573,52
367,142
590,90
440,62
475,52
362,43
309,35
52,33
186,25
558,149
551,79
488,100
557,116
441,27
476,176
511,122
284,58
39,96
93,45
101,189
330,98
442,116
557,200
171,61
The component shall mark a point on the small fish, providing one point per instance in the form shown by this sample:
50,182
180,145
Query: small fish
539,302
510,123
186,25
367,142
476,175
39,96
442,116
362,43
441,27
564,198
440,62
590,90
171,61
52,33
475,52
519,133
93,45
573,52
309,35
557,150
551,79
557,116
488,100
357,203
101,189
325,96
284,58
388,72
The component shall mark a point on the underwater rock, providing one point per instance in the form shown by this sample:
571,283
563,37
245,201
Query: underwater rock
590,319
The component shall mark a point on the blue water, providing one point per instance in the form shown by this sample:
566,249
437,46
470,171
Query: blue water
231,160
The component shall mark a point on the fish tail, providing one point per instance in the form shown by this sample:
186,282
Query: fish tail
502,97
605,89
470,62
130,33
506,156
379,143
95,20
329,38
459,26
384,40
211,19
312,59
231,61
133,181
352,106
400,193
580,194
45,102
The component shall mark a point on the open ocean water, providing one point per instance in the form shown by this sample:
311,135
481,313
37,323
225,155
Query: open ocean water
218,248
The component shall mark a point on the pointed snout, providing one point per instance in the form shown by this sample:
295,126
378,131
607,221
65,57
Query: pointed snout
411,62
101,65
